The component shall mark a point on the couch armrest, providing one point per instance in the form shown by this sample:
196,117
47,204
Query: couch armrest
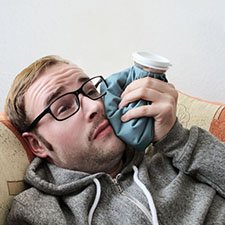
205,114
14,159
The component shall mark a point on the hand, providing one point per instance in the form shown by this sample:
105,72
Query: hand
163,98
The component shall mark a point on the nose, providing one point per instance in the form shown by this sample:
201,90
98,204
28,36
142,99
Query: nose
91,108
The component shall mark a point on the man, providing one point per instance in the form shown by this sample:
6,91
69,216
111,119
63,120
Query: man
84,174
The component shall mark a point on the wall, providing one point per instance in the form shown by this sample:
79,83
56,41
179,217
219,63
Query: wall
100,35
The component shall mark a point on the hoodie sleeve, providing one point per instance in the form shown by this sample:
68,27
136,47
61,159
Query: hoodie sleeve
197,153
16,215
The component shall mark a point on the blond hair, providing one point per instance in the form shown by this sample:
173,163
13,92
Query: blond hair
15,103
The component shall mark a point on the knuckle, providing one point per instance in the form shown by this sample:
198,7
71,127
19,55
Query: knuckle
171,85
169,108
175,94
148,81
168,104
142,92
172,98
145,110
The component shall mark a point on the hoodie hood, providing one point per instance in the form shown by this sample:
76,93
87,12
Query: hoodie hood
54,180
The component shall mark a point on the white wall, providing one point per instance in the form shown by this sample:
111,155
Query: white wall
100,35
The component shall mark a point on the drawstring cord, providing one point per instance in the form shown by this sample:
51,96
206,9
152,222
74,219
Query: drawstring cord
148,196
97,197
139,183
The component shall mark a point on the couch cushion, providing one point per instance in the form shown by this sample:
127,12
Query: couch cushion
205,114
14,158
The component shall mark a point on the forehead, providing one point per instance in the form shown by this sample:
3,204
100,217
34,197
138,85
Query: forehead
53,81
61,71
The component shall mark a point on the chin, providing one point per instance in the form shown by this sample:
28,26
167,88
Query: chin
119,144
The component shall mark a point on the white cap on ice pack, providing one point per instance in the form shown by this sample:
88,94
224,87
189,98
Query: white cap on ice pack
151,60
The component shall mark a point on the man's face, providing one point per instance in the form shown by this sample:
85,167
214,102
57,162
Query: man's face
85,141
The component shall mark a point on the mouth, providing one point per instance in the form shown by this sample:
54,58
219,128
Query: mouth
103,129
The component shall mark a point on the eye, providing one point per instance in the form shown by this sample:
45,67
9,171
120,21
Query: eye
64,106
92,91
64,110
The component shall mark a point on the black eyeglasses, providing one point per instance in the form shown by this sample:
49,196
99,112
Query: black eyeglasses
68,104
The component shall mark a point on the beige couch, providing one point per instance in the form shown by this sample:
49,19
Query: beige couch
15,155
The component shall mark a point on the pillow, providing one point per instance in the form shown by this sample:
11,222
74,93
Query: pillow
14,159
205,114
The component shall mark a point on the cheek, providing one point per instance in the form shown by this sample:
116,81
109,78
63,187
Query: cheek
65,132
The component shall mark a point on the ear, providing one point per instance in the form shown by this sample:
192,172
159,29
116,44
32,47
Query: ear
37,147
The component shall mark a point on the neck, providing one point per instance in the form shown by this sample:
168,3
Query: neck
116,169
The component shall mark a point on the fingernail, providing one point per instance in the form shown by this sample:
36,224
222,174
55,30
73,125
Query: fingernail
120,105
123,118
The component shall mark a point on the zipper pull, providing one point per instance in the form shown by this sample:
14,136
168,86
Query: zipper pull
115,181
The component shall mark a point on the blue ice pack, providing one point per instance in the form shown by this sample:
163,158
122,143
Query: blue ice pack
137,133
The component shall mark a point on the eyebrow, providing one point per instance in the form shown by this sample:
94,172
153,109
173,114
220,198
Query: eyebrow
60,90
54,95
83,79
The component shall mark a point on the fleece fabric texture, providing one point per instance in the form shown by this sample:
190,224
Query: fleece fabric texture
137,133
185,177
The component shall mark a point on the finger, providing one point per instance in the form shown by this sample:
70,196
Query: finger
149,95
140,93
139,112
149,82
165,106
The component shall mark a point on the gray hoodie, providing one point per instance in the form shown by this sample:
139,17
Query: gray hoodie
182,183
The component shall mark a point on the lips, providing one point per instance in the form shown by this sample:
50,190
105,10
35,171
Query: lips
102,129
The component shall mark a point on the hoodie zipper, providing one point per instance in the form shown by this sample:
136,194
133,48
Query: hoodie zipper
131,198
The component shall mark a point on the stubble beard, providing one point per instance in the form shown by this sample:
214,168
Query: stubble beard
103,158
